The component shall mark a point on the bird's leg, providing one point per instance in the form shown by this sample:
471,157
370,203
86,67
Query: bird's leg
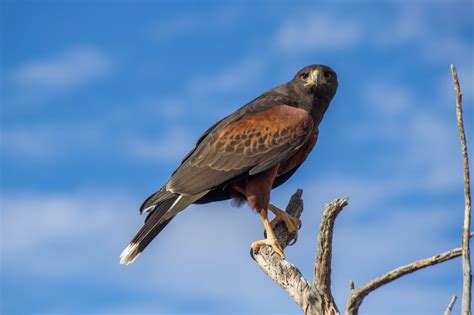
292,223
270,239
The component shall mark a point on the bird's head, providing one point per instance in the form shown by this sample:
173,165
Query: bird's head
316,81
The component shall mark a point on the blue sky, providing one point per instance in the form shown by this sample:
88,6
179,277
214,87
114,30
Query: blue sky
100,99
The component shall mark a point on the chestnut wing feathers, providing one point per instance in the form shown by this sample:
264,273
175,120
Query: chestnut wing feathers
248,145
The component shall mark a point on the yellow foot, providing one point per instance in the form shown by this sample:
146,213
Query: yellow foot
269,242
292,223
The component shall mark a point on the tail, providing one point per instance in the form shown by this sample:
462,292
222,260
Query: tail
162,213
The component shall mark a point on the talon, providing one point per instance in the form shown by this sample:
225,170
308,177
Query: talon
268,242
292,223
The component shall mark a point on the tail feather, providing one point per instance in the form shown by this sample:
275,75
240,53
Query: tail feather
153,225
156,221
155,199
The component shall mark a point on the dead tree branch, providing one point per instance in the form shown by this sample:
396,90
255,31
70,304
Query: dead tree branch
310,297
285,274
357,295
322,263
450,305
316,298
466,230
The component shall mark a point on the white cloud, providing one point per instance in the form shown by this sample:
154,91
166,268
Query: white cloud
174,27
50,142
190,25
412,27
432,152
388,100
81,235
377,244
66,236
239,75
58,235
419,134
171,145
171,108
53,142
364,193
70,68
45,218
317,32
408,24
399,300
373,236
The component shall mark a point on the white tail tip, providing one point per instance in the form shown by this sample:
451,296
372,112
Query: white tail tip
129,254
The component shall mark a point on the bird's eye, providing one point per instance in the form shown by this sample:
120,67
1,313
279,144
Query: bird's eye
327,74
304,76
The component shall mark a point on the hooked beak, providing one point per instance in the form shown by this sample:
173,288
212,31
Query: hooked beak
313,78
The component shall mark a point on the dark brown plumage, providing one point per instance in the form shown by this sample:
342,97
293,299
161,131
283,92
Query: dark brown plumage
245,155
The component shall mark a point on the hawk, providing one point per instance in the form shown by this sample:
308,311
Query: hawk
244,156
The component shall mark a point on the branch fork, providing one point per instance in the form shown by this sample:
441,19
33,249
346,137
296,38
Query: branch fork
315,298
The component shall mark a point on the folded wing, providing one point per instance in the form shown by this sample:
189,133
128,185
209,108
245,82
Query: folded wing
249,145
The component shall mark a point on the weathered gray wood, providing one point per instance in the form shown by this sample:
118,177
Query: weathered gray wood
316,298
285,274
357,295
450,305
466,229
322,263
311,299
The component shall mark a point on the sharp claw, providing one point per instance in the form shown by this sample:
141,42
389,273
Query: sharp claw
252,254
292,224
294,237
268,242
293,240
279,251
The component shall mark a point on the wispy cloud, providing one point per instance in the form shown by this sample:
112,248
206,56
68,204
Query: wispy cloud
408,24
388,99
317,32
49,142
400,158
234,77
72,226
412,27
59,142
190,25
67,69
86,232
425,142
171,145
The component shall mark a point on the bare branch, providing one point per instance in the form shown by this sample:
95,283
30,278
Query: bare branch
357,295
310,298
466,230
285,274
450,305
351,285
294,208
316,298
322,263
